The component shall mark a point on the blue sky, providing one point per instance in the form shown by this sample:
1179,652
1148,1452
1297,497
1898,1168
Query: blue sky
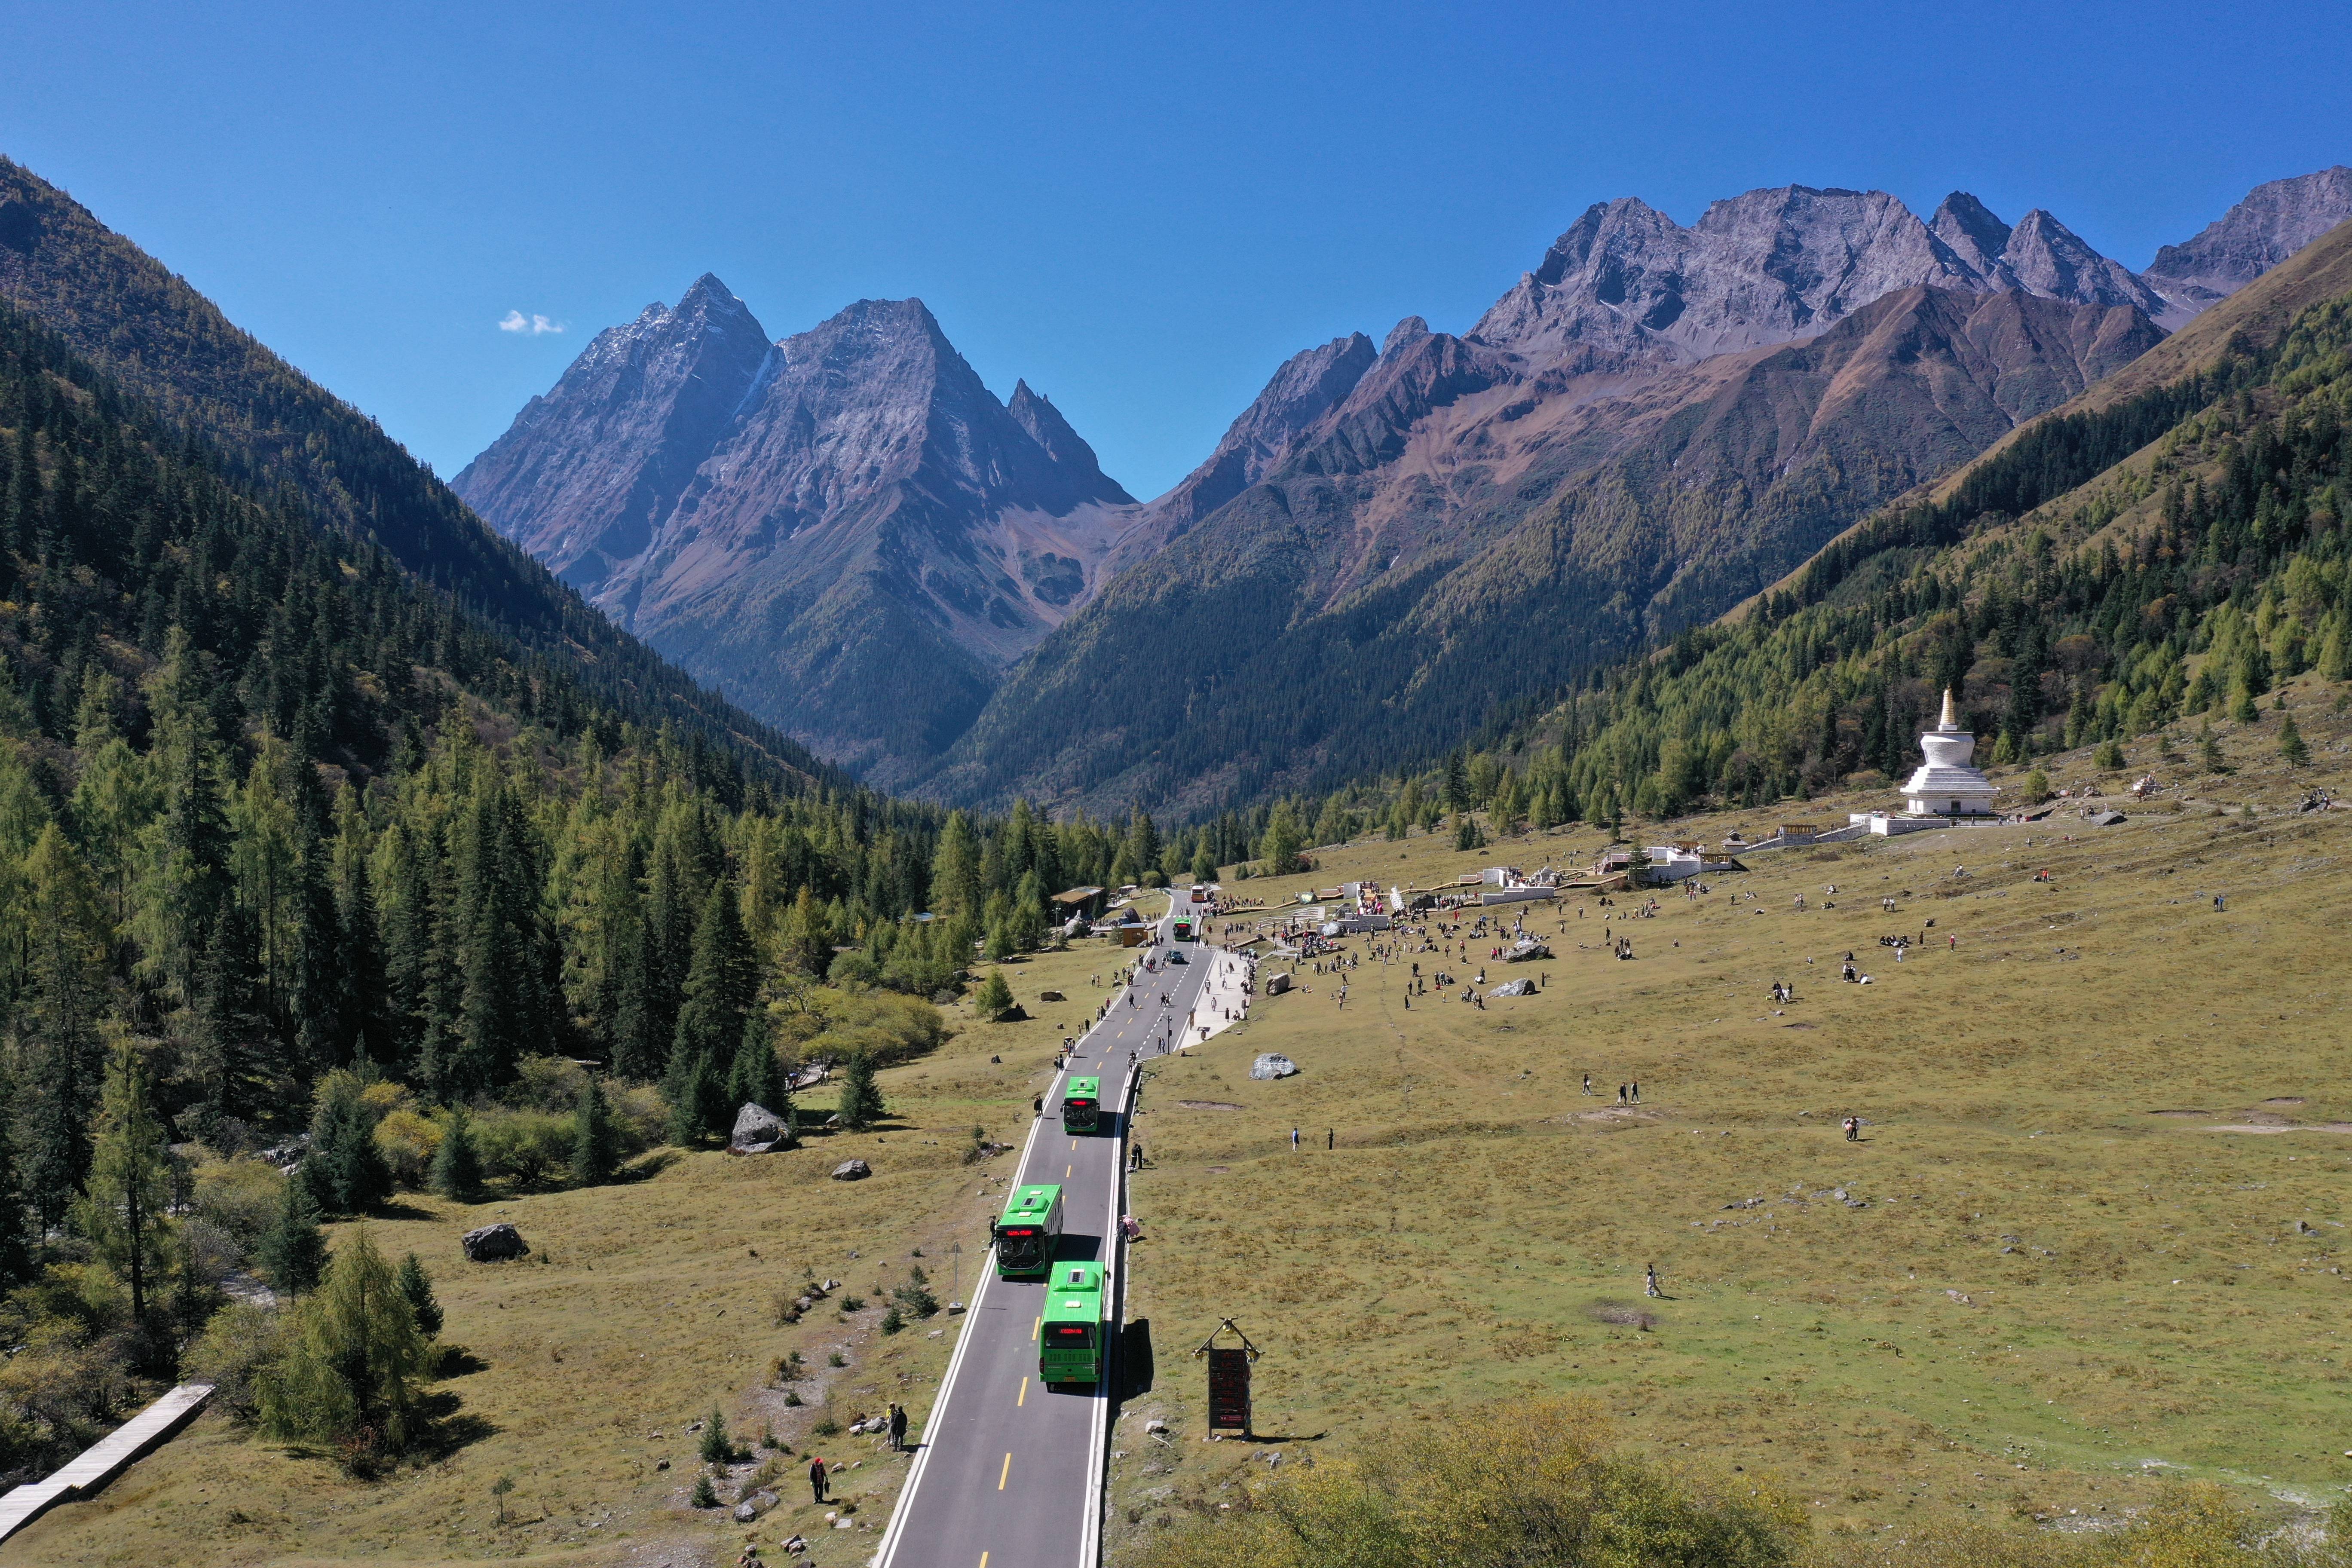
1142,209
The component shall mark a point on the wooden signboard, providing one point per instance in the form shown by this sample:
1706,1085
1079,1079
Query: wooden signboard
1229,1390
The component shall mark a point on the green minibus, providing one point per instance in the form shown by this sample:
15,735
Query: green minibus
1071,1334
1025,1237
1082,1105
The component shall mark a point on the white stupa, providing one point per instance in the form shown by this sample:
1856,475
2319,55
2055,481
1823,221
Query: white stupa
1944,784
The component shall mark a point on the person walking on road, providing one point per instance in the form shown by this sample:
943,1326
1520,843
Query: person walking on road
816,1477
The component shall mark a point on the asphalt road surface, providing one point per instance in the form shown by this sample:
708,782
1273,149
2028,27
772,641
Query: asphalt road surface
1010,1473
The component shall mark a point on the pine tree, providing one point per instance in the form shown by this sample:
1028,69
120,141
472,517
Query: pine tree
294,1250
1457,782
595,1143
126,1211
353,1375
2209,748
418,1286
861,1097
721,980
59,1023
756,1078
2291,744
457,1172
344,1170
17,1241
696,1092
995,996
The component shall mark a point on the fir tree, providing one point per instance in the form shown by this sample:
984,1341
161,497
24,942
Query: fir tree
995,996
352,1377
457,1172
344,1169
861,1097
59,1023
756,1078
126,1210
2291,744
721,982
418,1286
595,1143
294,1250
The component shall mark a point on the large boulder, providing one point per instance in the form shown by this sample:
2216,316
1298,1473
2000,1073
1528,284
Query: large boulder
1017,1014
495,1244
851,1171
1527,947
758,1130
1513,988
1051,996
1272,1065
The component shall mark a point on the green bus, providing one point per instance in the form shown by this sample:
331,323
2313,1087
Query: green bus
1025,1237
1082,1105
1183,930
1071,1336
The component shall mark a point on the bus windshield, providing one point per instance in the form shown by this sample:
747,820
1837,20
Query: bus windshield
1020,1246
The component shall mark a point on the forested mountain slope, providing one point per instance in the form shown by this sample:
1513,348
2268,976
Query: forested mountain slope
269,426
2149,555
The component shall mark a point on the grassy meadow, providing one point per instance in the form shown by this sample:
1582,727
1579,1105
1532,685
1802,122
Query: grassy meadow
2090,1244
643,1306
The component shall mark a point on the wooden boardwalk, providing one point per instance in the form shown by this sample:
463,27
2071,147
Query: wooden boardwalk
106,1458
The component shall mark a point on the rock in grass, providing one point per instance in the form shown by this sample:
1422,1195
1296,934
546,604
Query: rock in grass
758,1130
495,1244
1513,988
851,1171
1272,1065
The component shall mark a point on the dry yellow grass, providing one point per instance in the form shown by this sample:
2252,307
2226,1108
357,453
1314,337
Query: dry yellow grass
643,1306
2063,1287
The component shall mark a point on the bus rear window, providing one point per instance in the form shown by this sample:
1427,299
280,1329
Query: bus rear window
1070,1336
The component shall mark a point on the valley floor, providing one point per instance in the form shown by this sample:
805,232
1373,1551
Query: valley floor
2090,1242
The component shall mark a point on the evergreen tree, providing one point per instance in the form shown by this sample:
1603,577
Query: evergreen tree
294,1250
2291,744
17,1240
65,975
804,937
344,1170
1204,863
861,1097
418,1286
126,1212
1279,848
695,1093
756,1079
351,1376
595,1142
1457,782
457,1171
721,981
995,996
2209,748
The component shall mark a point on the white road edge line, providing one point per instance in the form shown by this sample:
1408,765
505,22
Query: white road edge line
895,1533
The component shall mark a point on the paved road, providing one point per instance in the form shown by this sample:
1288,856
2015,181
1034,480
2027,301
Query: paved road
1009,1475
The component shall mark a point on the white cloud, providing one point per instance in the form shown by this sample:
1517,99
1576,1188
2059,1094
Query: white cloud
516,321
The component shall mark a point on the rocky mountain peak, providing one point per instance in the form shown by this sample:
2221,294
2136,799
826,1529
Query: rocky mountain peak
2275,220
2048,259
1974,235
1035,412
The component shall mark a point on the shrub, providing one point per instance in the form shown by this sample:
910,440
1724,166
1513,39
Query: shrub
2109,756
704,1494
241,1340
892,1320
527,1147
916,1298
826,1427
418,1286
1544,1485
2036,787
243,1196
408,1139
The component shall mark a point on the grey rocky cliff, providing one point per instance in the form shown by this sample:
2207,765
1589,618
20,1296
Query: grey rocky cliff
2275,220
845,530
587,472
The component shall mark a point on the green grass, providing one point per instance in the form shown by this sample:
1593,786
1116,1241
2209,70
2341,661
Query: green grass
2140,1305
643,1305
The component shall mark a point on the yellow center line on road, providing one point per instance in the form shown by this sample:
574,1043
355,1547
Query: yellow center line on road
1024,1398
1036,1324
1065,1172
983,1560
1005,1472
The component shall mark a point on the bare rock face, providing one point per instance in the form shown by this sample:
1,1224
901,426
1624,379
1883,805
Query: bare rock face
587,472
845,531
2274,221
